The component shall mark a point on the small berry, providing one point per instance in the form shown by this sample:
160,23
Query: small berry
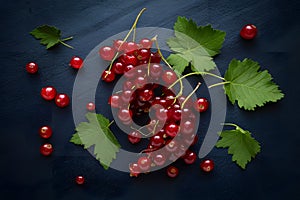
146,43
79,180
107,53
201,104
46,149
76,62
90,106
207,165
134,137
134,169
62,100
248,32
108,76
144,163
32,68
189,157
172,171
48,93
45,132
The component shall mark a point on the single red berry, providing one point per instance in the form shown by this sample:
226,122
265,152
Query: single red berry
207,165
248,32
134,169
189,157
76,62
172,171
46,149
32,68
172,129
146,43
48,93
159,159
79,180
201,104
45,132
62,100
118,68
108,76
134,137
169,77
155,57
90,106
131,46
144,163
107,53
119,45
114,101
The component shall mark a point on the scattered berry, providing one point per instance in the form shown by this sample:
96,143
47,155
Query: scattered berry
62,100
172,171
48,93
45,132
76,62
79,180
46,149
32,68
90,106
201,104
248,32
207,165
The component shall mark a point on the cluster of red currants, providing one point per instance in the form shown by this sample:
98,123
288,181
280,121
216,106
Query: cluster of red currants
146,92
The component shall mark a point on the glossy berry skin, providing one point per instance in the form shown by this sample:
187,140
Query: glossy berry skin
201,105
76,62
146,43
32,68
159,159
62,100
207,165
107,53
131,46
119,45
144,163
114,101
134,137
45,132
189,157
90,106
108,76
79,180
248,32
172,171
169,77
46,149
134,169
48,93
172,129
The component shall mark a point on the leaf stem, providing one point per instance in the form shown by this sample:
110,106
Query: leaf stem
68,38
217,84
65,44
236,127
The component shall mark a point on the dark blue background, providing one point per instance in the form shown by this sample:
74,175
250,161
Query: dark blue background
274,174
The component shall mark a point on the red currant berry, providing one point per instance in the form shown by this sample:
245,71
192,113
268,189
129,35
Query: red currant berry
45,132
159,159
134,169
131,46
134,137
144,163
62,100
207,165
189,157
107,53
48,93
146,43
130,60
79,180
155,57
201,104
119,45
114,101
46,149
124,115
248,32
145,95
157,141
172,129
90,106
108,76
32,68
156,70
172,171
76,62
169,77
118,68
143,54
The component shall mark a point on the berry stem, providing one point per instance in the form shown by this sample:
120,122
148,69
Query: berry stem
68,38
110,123
189,96
236,127
133,27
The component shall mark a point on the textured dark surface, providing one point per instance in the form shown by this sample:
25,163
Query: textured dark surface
274,174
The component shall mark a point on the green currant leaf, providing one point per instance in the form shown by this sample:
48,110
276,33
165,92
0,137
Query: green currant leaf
96,133
194,44
248,86
49,36
240,144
